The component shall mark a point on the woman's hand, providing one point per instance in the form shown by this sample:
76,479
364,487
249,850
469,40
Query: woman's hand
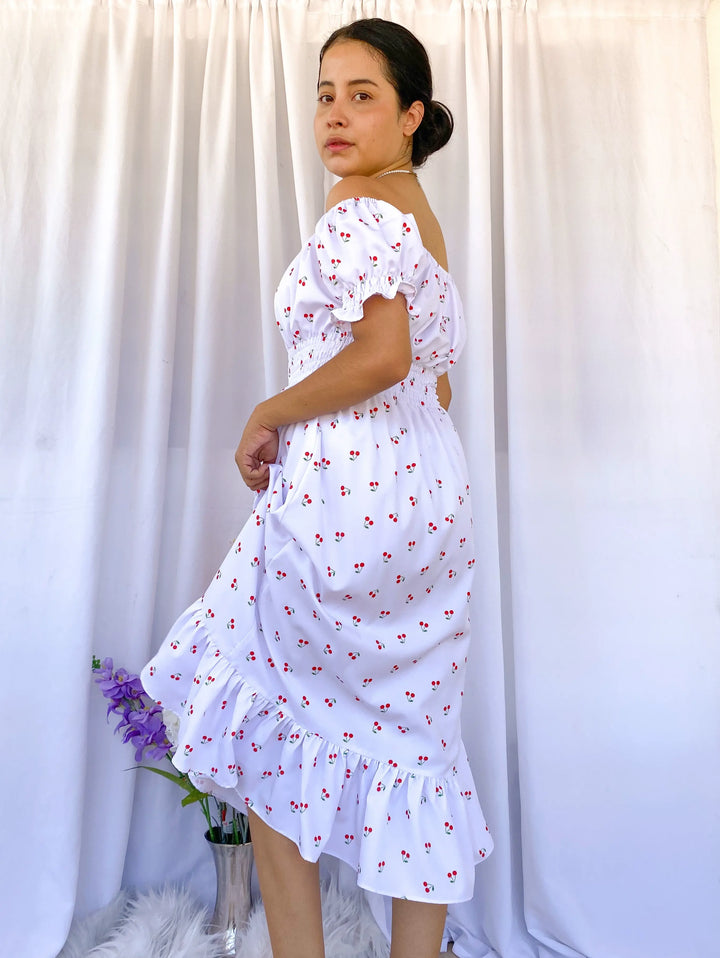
258,447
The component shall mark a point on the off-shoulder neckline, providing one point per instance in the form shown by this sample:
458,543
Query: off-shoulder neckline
372,200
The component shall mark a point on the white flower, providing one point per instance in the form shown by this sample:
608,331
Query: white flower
172,726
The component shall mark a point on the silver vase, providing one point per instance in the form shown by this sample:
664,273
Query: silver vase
233,867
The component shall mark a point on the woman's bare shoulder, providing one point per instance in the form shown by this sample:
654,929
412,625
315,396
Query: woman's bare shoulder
351,186
403,200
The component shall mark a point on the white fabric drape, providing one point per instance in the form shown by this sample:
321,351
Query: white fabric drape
158,171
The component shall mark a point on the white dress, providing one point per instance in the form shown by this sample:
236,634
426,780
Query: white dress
319,679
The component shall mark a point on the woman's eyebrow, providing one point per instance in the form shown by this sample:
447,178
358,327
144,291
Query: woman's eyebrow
350,83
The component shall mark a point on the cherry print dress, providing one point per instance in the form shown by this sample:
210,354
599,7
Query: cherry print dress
319,679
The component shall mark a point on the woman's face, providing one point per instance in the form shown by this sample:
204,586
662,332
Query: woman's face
359,126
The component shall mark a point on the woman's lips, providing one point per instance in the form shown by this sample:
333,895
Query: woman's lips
337,146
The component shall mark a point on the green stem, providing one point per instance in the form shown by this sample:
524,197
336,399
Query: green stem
204,802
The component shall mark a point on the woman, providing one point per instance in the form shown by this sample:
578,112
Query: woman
319,679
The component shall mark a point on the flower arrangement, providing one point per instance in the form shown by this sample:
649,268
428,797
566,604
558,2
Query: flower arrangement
152,731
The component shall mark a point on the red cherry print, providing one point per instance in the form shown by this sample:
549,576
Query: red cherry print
405,855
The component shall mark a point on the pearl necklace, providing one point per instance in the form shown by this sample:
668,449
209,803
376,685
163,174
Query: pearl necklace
388,172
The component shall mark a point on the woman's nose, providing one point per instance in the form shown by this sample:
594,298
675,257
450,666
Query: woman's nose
336,115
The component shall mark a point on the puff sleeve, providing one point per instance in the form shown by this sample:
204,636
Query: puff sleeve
365,247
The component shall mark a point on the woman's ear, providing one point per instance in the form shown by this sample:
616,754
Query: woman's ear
413,117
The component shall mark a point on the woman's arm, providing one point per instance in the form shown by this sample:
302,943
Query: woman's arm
378,357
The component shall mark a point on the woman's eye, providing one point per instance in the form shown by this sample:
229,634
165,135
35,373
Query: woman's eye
362,96
324,98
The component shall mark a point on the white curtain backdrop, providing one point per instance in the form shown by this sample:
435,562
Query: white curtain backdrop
158,171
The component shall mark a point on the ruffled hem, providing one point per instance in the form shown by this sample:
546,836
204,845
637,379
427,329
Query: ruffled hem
355,296
405,834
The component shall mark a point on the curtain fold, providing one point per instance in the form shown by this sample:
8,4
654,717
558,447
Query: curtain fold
157,173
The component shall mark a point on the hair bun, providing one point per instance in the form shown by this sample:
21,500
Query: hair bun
434,131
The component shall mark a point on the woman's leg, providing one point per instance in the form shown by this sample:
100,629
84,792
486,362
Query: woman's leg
417,929
290,889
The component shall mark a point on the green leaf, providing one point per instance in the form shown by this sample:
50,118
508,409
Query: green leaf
196,796
180,779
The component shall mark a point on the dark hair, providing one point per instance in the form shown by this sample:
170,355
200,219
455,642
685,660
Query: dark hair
407,67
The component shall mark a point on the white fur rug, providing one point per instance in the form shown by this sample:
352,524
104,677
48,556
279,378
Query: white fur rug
169,924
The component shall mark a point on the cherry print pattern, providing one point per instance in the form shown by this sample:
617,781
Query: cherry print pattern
359,757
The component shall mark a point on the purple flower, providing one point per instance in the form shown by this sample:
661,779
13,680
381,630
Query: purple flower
146,730
118,685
